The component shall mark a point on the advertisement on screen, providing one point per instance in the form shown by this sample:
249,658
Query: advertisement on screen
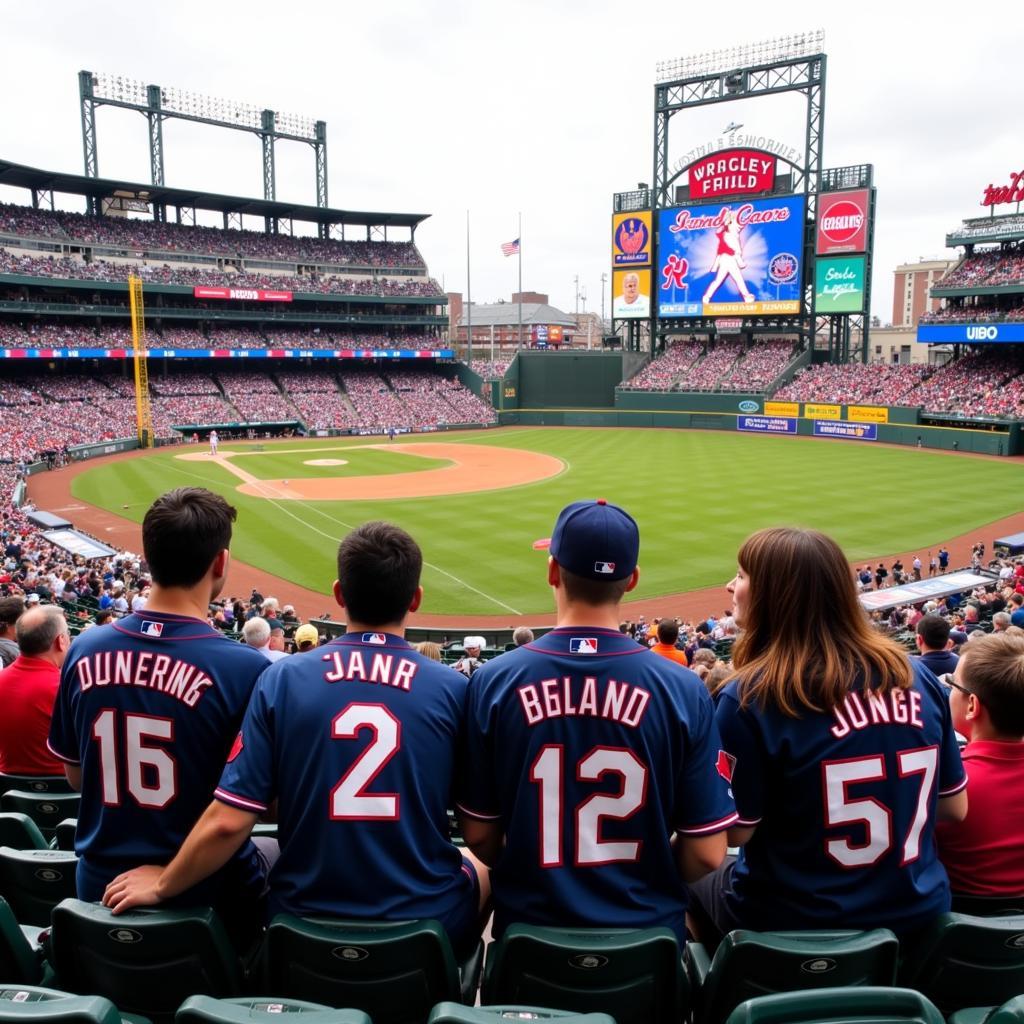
731,259
631,294
631,239
839,284
843,222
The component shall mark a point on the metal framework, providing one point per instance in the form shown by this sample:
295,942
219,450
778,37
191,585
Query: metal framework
143,411
158,104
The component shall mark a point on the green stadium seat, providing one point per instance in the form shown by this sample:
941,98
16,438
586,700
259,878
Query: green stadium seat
963,961
636,975
857,1005
245,1010
35,881
264,831
48,1006
45,809
749,964
19,962
147,962
455,1013
35,783
64,834
394,971
988,906
20,832
1011,1012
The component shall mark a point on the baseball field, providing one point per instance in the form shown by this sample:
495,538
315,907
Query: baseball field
479,501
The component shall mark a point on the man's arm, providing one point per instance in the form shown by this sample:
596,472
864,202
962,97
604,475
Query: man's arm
740,835
208,847
484,838
73,773
952,808
697,856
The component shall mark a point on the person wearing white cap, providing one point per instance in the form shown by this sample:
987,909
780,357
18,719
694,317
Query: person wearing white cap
470,661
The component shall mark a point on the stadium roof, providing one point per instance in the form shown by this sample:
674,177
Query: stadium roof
506,314
20,176
1007,228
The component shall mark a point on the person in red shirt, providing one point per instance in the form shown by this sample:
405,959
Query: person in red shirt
668,634
28,687
982,853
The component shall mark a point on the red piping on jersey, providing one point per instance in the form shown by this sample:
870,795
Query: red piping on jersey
952,791
583,631
715,826
58,754
238,801
479,815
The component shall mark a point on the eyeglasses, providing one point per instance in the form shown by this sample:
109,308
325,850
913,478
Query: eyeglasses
947,678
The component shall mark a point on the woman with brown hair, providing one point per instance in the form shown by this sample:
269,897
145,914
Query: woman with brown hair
840,752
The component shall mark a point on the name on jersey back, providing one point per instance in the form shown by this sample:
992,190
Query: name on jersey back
171,676
567,697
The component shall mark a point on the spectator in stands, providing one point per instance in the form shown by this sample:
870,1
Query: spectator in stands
972,618
429,650
306,638
470,661
11,609
932,638
668,634
819,701
27,690
1001,621
522,635
256,633
982,853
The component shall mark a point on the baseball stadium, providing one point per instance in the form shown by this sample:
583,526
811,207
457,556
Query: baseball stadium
303,363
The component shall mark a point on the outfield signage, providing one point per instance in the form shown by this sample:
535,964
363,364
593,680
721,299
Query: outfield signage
249,294
970,334
839,285
782,408
731,172
227,353
814,411
766,424
853,431
843,222
868,413
631,239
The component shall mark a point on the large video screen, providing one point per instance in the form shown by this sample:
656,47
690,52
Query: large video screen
743,258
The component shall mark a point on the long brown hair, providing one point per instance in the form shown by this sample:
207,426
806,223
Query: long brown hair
805,637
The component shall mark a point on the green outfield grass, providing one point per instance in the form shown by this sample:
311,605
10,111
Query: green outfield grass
695,494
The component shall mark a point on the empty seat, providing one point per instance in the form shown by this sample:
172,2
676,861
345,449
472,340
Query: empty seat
749,964
635,975
35,881
64,835
858,1005
1011,1012
963,961
394,971
20,832
245,1010
45,809
19,962
146,962
48,1006
455,1013
35,783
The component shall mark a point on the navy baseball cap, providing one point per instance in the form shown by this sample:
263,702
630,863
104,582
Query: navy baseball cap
596,540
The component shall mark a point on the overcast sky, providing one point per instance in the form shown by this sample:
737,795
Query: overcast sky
544,108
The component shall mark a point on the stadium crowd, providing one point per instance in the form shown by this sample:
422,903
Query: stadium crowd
854,383
988,268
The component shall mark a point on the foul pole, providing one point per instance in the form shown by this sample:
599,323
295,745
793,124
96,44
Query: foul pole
143,411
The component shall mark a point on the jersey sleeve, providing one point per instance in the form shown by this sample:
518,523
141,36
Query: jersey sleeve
63,739
741,758
704,803
476,790
952,774
248,781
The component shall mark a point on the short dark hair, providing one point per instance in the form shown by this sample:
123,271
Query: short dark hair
668,631
933,631
593,592
11,609
993,670
37,629
183,532
379,568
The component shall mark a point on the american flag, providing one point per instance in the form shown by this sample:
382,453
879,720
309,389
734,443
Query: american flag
510,248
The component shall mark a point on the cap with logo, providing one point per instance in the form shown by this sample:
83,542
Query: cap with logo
306,634
596,540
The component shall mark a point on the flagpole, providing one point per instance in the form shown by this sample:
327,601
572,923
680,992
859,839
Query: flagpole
520,279
469,304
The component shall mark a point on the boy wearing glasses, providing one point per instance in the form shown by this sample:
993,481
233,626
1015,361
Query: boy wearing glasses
982,853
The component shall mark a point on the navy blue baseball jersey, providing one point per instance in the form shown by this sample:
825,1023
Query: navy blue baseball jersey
591,751
357,741
149,707
844,808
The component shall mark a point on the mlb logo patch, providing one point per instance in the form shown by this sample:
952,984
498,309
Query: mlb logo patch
583,645
152,628
605,568
725,764
377,639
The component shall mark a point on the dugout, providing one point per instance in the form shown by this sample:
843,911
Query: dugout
1004,547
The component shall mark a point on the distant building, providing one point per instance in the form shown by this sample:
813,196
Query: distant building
497,323
911,292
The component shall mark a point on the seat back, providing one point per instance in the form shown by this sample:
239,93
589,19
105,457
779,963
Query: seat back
634,975
964,960
18,961
395,972
30,1005
988,906
1011,1012
35,881
20,832
147,962
455,1013
245,1010
750,964
45,809
35,783
64,836
859,1005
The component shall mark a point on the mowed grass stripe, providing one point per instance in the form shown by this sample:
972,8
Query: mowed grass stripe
695,494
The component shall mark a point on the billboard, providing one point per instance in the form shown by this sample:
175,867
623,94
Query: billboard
731,259
766,424
970,334
631,294
853,431
731,172
252,294
631,239
843,222
839,285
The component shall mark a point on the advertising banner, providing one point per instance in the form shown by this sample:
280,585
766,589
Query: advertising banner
782,408
843,222
631,294
738,259
766,424
731,172
250,294
853,431
813,411
972,334
868,413
227,353
839,285
631,239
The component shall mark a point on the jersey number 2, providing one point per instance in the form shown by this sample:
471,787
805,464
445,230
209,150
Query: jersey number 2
161,786
349,799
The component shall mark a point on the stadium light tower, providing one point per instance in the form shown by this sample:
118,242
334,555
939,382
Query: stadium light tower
158,104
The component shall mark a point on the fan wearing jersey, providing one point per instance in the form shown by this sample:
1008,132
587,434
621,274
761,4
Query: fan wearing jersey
356,740
148,707
841,753
592,787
